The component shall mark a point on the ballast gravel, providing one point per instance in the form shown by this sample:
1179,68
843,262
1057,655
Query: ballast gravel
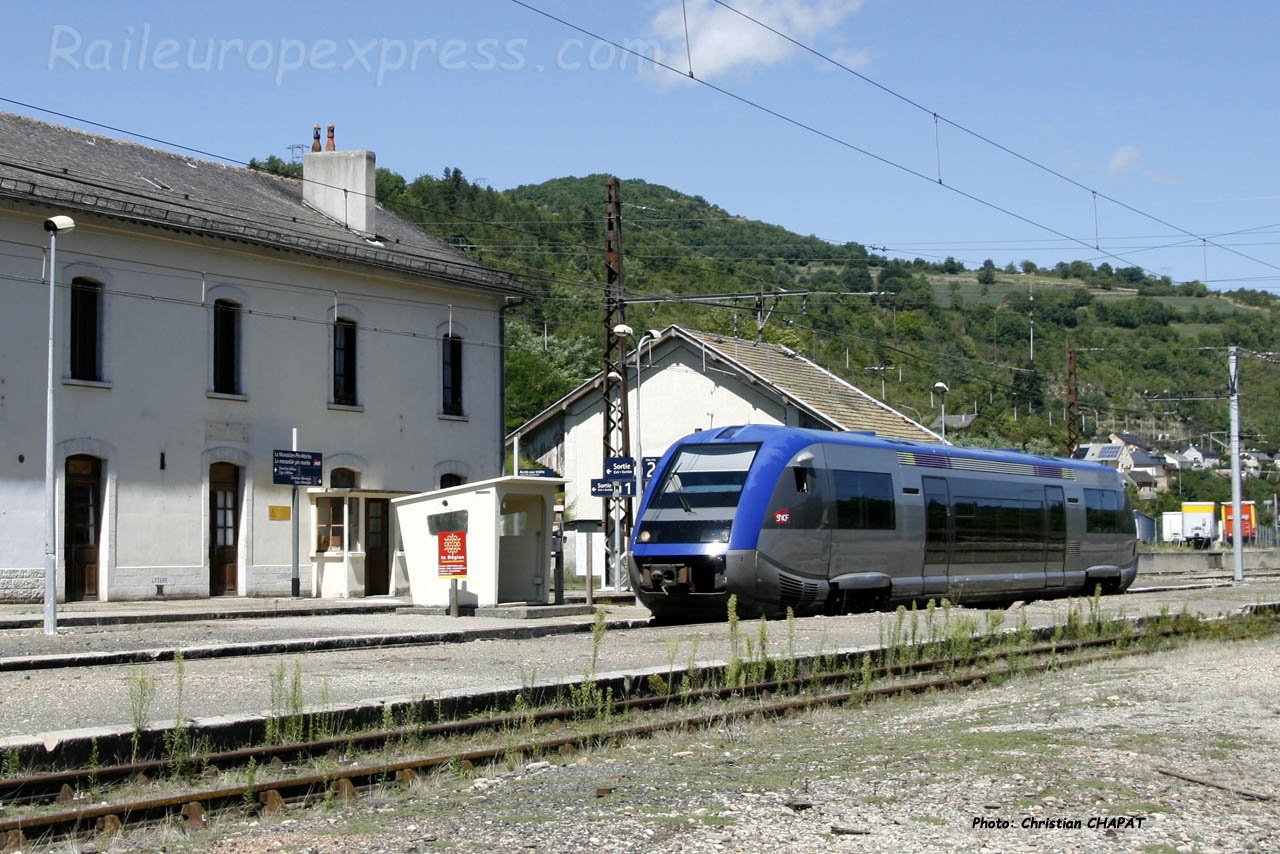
1067,762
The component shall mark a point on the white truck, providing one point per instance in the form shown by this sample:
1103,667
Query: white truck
1199,523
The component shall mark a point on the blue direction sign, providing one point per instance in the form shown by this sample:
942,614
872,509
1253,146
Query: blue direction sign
297,468
649,467
602,488
619,468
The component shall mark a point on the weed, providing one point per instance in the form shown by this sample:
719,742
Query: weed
598,628
177,739
12,762
250,777
94,765
733,674
142,691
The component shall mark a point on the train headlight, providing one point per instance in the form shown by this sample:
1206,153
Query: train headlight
644,537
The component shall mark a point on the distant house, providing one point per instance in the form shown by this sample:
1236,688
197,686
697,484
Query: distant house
1134,459
1201,457
1177,462
1254,462
1129,440
691,381
1145,483
1104,453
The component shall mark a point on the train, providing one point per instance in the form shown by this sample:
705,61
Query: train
814,521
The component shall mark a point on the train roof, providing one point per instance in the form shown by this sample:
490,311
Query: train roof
793,439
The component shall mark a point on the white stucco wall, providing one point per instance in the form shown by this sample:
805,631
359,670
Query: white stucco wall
678,395
156,397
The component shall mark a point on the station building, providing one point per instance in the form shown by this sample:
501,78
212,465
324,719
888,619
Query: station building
203,312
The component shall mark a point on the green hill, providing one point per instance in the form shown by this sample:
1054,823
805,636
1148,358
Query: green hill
1141,341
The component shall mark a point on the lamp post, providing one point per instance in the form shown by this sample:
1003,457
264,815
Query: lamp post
941,388
622,330
53,225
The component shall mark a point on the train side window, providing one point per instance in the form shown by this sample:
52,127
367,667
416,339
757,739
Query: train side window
802,479
864,500
1102,512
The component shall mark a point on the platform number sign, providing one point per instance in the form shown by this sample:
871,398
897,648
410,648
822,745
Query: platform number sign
452,554
649,467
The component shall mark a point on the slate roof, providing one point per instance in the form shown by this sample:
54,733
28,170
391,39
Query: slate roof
813,389
62,170
1142,459
845,406
1130,439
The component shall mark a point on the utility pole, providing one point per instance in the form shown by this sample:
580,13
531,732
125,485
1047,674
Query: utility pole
1073,403
1237,526
617,435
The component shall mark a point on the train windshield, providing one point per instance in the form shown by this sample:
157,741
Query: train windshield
698,495
703,476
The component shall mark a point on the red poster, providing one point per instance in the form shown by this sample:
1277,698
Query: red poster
453,554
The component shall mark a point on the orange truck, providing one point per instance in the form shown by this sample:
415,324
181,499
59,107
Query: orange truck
1249,520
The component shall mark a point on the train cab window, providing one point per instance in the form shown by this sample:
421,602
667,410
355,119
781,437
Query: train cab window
1103,511
864,500
799,500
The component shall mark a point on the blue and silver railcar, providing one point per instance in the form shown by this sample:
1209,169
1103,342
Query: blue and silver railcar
820,521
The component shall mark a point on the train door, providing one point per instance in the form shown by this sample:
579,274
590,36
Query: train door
937,534
83,526
1055,557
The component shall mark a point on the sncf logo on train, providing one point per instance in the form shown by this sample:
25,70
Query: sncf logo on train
782,517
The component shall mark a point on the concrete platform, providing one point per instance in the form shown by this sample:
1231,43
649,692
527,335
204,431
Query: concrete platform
513,611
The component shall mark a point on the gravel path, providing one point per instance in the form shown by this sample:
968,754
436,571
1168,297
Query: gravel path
1062,763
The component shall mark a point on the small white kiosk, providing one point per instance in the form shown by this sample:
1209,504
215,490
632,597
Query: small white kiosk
493,536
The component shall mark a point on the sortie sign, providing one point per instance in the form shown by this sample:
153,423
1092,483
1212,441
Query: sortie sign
453,554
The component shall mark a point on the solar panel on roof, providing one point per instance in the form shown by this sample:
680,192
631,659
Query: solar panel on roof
1109,452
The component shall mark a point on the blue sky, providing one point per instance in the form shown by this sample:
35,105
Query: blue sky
1168,107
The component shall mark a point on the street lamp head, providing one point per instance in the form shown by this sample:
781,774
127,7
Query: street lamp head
654,333
623,331
59,223
941,387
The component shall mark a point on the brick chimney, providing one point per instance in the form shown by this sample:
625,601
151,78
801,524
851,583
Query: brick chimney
341,185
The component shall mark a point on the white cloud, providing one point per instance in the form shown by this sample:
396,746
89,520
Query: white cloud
858,60
725,43
1125,159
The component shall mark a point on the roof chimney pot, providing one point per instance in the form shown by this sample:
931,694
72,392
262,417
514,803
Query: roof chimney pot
329,146
315,139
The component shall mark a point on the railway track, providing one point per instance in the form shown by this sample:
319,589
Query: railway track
54,806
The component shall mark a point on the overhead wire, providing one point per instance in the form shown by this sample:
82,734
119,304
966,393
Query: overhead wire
981,137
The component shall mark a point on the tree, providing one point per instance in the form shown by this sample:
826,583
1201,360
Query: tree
1029,267
987,275
951,266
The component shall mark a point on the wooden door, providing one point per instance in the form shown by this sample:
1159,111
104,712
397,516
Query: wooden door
224,527
83,527
377,553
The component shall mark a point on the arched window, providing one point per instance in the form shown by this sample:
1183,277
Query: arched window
226,347
448,480
451,375
344,361
86,329
343,479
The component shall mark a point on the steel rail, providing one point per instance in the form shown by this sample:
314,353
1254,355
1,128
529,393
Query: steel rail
112,817
63,785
